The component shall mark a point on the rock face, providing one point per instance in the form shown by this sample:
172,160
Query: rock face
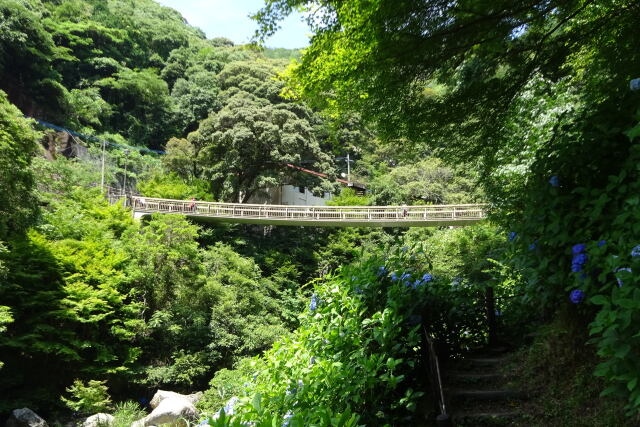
25,417
169,408
98,420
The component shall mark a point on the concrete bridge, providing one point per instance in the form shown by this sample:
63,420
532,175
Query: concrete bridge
313,216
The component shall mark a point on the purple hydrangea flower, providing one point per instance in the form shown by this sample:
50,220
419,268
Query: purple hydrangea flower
577,296
601,243
554,181
512,236
579,248
635,251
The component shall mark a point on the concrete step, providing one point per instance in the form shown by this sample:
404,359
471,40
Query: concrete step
470,378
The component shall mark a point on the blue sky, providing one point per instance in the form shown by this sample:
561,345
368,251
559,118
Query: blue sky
229,18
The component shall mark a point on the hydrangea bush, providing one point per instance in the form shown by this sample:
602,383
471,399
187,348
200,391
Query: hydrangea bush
584,223
356,358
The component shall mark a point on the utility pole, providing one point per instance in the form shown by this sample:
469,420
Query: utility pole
126,158
104,145
348,169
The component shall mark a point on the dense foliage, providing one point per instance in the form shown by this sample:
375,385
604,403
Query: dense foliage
353,359
538,96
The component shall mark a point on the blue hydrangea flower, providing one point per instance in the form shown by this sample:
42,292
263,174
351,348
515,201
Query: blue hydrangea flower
577,296
405,276
229,408
601,243
456,281
382,270
394,277
427,278
512,236
498,313
554,181
579,248
635,251
358,291
314,302
619,280
580,259
532,247
576,268
286,420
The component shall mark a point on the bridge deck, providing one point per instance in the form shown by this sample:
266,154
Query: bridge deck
314,216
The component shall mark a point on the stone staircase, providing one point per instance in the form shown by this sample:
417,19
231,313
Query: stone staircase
478,393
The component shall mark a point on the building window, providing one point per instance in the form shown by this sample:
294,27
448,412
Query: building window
301,189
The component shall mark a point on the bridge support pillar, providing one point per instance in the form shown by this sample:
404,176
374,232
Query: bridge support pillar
138,214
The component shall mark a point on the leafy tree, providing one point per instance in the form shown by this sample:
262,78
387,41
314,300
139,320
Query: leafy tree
450,73
142,105
17,147
180,158
26,55
247,145
171,186
426,181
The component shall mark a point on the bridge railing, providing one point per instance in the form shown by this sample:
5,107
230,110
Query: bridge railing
345,213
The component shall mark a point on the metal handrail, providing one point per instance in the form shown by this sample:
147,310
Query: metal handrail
301,212
435,369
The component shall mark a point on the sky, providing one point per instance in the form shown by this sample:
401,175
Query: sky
230,19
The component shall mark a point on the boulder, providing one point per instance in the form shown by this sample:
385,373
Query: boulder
98,420
163,394
170,408
25,417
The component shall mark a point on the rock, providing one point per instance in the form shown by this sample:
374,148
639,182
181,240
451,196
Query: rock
98,420
170,408
25,417
163,394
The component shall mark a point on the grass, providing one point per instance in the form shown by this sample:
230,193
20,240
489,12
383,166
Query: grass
126,413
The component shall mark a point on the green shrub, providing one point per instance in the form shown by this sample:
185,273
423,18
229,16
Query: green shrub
88,399
354,356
